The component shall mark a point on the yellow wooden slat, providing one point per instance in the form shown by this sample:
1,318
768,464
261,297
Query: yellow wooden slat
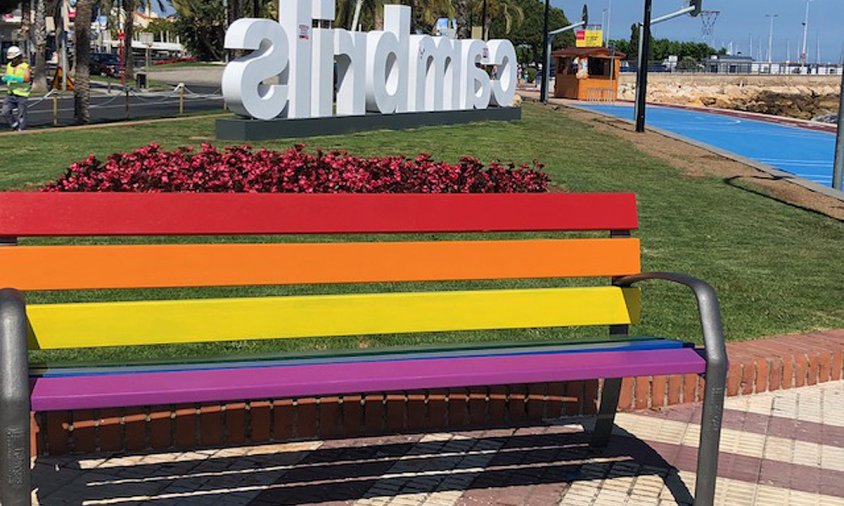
57,326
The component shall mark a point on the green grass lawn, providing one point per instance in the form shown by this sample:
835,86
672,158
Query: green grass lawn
777,268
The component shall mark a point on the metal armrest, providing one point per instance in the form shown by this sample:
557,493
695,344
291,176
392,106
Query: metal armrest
716,376
14,400
708,308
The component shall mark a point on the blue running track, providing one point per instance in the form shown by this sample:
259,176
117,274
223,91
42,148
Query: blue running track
805,153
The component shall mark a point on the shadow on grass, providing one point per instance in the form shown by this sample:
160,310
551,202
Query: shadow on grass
735,182
484,463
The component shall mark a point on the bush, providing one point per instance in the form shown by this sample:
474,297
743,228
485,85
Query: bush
240,169
531,74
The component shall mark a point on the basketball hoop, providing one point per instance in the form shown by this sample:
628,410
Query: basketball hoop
708,18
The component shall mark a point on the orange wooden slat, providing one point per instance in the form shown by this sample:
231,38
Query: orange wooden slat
148,266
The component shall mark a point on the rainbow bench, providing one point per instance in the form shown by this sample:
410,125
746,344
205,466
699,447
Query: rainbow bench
108,266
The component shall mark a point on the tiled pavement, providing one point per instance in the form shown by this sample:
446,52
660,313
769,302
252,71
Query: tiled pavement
783,447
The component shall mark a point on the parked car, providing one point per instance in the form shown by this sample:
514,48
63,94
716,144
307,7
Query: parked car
105,64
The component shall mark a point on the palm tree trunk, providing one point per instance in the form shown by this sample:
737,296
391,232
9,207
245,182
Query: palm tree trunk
378,16
26,26
55,8
235,10
415,15
464,28
129,6
82,91
39,78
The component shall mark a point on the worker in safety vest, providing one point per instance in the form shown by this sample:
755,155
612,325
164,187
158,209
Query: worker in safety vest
18,80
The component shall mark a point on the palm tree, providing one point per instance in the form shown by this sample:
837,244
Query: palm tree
82,91
39,78
507,10
201,25
427,12
235,10
125,10
424,13
464,15
26,26
129,8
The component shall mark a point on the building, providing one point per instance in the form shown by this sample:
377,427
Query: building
729,64
587,73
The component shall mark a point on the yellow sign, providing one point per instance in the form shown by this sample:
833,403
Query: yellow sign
590,38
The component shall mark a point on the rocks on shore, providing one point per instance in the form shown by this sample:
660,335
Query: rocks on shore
818,102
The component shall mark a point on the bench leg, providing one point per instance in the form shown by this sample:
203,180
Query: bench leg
606,413
609,397
710,435
15,488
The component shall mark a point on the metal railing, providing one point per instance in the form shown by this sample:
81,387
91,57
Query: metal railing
736,67
135,103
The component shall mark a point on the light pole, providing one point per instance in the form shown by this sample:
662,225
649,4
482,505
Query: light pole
546,56
642,71
644,49
611,46
483,21
838,168
549,39
603,25
771,38
804,55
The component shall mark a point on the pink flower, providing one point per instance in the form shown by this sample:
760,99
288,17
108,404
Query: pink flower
241,169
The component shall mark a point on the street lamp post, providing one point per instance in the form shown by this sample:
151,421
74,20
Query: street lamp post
838,168
642,71
549,40
603,27
693,9
546,56
483,21
804,55
771,38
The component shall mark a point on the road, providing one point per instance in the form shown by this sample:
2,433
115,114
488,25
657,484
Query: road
108,108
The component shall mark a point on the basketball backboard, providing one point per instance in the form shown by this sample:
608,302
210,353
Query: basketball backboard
697,5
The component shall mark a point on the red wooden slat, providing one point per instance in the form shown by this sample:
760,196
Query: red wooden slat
78,214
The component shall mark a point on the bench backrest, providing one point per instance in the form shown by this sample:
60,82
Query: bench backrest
71,267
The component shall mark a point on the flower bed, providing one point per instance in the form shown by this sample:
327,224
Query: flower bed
242,169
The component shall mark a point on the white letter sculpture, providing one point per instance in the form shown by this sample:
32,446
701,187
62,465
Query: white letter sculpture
385,72
243,79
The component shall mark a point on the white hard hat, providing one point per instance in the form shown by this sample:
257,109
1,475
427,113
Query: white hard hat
13,52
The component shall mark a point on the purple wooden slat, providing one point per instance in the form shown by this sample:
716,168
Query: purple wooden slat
219,385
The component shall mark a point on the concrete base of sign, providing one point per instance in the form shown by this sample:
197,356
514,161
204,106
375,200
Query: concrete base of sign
243,129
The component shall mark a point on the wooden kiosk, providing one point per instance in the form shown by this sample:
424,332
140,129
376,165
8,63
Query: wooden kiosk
587,73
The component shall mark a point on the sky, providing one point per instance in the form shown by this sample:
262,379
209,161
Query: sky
738,21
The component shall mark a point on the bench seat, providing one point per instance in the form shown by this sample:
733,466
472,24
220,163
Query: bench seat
139,386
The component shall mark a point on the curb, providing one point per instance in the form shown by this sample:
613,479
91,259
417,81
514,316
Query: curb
756,366
115,124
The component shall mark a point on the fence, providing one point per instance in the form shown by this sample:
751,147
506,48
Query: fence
737,66
56,108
